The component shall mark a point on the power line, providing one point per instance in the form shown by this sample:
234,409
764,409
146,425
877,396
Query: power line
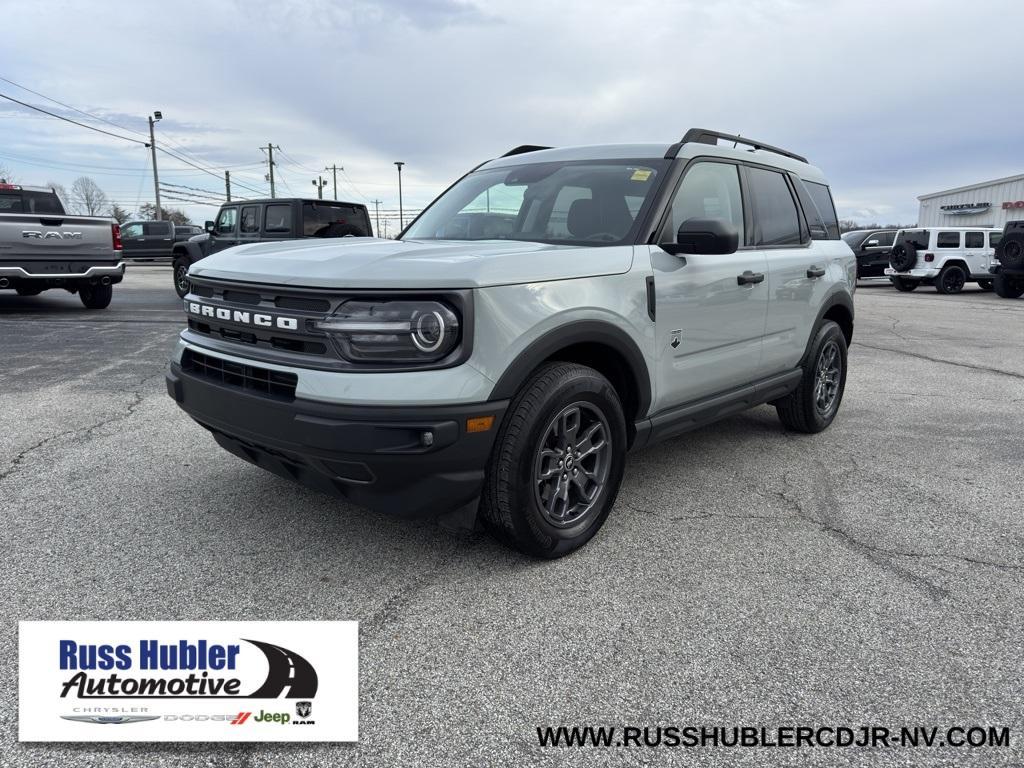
69,120
73,109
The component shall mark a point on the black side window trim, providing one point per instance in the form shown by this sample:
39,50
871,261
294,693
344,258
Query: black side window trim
805,240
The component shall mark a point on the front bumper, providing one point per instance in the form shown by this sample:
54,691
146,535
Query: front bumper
913,274
375,456
69,271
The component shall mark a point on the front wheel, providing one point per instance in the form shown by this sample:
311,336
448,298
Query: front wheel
96,296
813,405
904,285
181,283
557,462
1008,288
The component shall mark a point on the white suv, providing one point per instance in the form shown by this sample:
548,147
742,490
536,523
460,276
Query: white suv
947,257
550,311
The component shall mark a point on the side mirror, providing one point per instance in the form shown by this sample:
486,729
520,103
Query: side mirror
208,226
705,236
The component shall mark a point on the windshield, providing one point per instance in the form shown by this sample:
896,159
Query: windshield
595,202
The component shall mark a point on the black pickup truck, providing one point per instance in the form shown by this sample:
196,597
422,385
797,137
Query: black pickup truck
254,221
154,241
42,247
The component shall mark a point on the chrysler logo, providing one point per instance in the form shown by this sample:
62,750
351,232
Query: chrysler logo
110,719
242,317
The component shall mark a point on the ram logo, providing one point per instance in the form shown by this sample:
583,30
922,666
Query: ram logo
35,234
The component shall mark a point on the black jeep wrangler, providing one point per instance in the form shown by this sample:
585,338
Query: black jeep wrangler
255,221
1009,272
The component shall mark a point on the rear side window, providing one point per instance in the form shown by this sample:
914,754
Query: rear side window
158,229
974,240
822,197
994,239
948,240
776,221
250,219
278,219
334,220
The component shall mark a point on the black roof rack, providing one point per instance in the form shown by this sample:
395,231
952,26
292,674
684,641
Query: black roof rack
704,136
523,149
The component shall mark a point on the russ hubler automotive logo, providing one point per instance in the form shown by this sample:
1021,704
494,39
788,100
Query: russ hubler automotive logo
185,669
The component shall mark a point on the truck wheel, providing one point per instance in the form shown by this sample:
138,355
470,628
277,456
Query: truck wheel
951,279
28,290
903,256
813,405
1011,251
181,283
1007,288
904,285
96,296
557,462
985,285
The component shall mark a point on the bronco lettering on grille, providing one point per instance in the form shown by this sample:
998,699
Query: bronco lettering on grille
242,317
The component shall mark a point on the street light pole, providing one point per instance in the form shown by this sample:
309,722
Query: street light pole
157,115
319,183
401,219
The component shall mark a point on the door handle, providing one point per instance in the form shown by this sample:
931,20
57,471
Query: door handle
749,277
815,271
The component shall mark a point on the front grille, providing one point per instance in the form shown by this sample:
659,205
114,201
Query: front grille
242,375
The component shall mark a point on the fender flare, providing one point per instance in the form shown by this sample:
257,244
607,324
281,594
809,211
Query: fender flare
579,332
836,298
190,251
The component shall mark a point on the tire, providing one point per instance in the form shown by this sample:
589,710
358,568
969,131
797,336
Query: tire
181,283
951,279
985,285
28,290
808,409
1008,288
96,296
1011,251
536,516
904,285
903,256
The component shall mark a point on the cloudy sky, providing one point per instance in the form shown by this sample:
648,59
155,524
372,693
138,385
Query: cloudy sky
891,99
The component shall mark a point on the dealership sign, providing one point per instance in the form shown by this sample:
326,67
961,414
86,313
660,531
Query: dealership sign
1013,204
965,209
188,681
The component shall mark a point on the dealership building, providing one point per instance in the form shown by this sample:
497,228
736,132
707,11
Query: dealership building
987,204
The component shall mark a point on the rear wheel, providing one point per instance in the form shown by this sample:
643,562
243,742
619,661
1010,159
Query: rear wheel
96,296
181,283
1009,288
557,462
28,290
951,279
904,285
813,405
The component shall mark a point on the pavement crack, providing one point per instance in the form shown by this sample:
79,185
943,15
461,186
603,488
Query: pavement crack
82,434
920,356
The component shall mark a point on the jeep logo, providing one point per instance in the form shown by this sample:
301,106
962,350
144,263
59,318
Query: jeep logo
242,317
35,234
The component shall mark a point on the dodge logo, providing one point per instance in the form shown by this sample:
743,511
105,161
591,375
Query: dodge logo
242,317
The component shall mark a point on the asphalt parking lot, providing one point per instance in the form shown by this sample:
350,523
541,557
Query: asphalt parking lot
870,575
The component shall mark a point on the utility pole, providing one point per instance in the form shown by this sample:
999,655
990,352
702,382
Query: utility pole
270,159
227,184
157,115
401,220
334,169
376,213
319,183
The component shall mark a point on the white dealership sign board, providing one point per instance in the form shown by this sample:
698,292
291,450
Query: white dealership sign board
188,681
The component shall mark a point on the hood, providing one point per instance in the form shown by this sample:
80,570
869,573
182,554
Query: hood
362,262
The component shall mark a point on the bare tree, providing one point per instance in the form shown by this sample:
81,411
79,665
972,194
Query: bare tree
87,197
62,194
7,175
176,215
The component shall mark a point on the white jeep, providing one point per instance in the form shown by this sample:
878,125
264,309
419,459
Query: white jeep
946,257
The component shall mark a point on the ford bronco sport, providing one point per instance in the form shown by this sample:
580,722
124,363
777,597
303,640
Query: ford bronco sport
552,310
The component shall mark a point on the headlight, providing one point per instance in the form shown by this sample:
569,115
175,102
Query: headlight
393,331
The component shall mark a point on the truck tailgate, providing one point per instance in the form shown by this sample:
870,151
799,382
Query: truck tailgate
29,239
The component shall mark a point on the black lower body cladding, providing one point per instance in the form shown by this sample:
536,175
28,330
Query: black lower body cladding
379,457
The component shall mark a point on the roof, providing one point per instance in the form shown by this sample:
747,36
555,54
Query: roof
655,152
291,200
969,187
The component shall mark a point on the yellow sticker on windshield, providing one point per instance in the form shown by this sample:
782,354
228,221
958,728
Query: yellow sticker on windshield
641,174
